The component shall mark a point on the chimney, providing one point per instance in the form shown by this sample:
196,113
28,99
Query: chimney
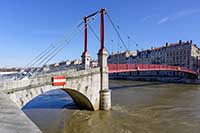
190,41
166,44
180,41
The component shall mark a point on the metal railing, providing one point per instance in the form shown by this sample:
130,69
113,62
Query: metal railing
114,68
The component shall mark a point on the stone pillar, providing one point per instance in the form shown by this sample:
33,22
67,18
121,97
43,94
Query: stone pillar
86,60
105,93
85,55
105,99
102,63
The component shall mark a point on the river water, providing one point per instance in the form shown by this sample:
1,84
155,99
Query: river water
137,107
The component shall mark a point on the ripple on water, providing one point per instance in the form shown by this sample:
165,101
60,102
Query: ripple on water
138,107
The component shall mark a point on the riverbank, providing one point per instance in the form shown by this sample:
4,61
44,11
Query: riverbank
155,79
12,119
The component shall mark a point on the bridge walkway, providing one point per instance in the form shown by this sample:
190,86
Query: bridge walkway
13,120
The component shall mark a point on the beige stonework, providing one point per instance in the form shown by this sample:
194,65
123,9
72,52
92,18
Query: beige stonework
84,87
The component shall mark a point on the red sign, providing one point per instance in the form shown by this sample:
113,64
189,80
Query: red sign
58,80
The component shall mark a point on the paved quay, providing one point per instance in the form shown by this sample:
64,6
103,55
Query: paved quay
12,119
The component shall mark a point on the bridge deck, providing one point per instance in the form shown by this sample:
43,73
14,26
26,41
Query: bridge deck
116,68
12,119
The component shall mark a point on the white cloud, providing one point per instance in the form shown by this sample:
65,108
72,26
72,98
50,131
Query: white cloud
163,20
146,18
178,15
185,13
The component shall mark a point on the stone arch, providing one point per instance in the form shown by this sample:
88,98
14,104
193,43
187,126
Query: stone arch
22,98
80,99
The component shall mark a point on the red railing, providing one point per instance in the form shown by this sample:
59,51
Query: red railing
115,68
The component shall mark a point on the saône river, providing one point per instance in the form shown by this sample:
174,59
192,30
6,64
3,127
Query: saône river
137,107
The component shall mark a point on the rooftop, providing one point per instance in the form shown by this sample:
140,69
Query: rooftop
171,45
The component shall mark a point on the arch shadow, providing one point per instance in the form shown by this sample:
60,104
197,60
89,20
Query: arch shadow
58,99
80,99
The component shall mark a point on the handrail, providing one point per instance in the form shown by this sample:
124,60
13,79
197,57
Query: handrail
113,68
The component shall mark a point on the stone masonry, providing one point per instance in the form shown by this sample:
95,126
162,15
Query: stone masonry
84,87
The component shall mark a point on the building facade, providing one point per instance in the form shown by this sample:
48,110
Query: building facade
121,57
184,54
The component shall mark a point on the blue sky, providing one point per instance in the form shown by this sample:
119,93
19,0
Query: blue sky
29,26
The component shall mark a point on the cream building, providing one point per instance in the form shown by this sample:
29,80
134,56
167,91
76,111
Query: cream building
121,57
184,54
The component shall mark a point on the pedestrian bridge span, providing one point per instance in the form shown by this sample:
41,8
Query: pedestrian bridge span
120,68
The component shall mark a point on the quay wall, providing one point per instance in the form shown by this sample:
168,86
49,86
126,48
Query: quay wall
169,77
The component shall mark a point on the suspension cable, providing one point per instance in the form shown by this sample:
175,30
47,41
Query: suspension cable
58,50
128,36
55,49
96,36
38,56
67,42
54,53
48,56
117,32
50,48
